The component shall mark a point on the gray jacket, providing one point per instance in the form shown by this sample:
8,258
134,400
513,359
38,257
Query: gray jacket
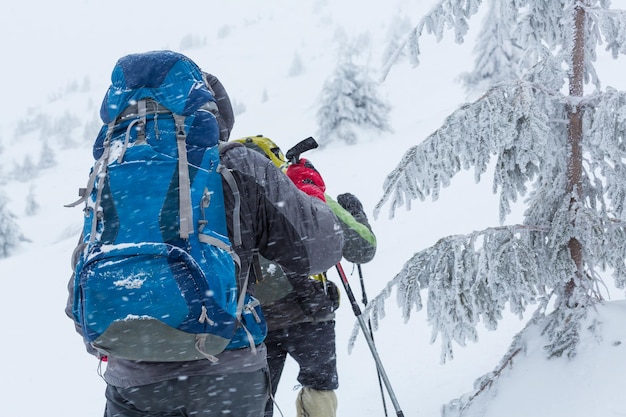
289,298
280,222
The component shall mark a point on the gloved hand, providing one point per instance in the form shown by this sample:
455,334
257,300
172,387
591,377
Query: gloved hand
307,178
351,204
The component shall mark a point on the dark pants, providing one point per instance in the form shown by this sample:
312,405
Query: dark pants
312,345
236,395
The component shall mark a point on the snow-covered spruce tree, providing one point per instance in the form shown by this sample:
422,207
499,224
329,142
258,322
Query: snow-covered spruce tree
550,143
349,101
9,230
297,67
32,206
47,157
497,55
26,171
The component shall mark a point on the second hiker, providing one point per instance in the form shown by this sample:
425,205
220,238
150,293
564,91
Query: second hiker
300,312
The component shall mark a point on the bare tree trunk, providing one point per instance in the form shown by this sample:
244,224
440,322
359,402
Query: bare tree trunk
575,131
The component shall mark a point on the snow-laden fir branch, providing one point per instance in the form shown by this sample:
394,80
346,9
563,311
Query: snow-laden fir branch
536,27
470,279
611,24
474,278
505,122
445,14
605,140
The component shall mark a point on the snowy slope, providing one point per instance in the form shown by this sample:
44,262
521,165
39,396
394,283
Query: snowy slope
60,71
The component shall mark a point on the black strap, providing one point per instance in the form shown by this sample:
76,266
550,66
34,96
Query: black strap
256,264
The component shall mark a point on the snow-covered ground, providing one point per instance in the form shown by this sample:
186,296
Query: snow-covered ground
58,58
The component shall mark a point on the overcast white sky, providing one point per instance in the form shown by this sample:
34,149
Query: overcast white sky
50,46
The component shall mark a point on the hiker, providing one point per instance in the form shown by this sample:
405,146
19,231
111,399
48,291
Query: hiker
300,312
276,220
299,325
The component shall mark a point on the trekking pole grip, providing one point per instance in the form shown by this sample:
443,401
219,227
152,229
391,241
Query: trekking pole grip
293,154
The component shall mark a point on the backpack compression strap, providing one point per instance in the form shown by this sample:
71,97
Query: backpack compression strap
184,183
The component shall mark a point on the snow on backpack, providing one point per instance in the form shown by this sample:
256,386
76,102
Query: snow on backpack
157,277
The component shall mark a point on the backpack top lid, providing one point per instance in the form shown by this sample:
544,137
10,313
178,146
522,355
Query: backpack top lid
170,78
267,147
176,84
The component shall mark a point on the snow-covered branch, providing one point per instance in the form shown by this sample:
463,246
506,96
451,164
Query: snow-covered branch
612,25
445,14
506,122
470,279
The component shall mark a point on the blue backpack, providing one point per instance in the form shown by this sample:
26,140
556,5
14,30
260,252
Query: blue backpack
156,277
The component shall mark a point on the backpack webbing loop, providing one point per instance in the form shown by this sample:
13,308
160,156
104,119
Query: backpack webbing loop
132,124
200,343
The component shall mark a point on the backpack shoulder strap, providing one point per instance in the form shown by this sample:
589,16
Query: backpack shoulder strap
232,184
237,241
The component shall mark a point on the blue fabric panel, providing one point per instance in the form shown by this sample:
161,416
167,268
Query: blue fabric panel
134,287
196,285
135,280
171,79
204,130
145,70
140,181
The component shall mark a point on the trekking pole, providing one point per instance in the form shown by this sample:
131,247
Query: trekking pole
357,312
369,326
